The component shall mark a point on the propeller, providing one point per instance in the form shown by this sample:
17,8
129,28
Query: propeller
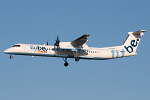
47,42
57,42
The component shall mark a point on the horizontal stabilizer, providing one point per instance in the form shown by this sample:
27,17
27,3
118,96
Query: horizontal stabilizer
137,32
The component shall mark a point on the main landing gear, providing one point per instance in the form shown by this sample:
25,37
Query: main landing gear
11,57
77,59
76,55
66,63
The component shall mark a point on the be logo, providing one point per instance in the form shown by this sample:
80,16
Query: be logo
133,43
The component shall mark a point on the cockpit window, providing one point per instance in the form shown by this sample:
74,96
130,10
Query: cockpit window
16,46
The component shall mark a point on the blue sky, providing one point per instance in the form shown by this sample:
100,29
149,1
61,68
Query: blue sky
41,78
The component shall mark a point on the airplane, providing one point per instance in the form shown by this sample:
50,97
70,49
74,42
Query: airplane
78,49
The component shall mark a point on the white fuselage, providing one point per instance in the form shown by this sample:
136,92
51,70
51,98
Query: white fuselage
53,51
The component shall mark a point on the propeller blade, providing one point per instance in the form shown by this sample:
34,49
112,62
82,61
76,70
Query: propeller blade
57,41
47,42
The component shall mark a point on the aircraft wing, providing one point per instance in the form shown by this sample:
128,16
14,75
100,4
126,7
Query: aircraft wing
76,44
80,41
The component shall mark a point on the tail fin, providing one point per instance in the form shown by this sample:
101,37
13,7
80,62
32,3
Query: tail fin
131,43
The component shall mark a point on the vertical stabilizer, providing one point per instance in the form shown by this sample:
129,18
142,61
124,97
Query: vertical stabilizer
131,43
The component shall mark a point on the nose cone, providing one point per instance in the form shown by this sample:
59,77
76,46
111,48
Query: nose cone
7,51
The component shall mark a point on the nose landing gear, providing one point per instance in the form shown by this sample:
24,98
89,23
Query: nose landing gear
11,57
66,63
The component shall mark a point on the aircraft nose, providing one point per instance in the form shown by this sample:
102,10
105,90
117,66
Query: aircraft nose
7,51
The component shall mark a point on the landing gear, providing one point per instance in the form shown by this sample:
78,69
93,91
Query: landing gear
11,57
66,63
77,59
76,55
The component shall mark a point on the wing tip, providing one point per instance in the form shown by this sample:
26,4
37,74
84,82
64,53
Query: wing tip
87,34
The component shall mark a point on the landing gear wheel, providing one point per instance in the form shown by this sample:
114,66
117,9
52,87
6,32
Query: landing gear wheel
11,57
77,59
66,64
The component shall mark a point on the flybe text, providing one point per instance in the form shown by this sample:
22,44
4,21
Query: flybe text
133,43
38,49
